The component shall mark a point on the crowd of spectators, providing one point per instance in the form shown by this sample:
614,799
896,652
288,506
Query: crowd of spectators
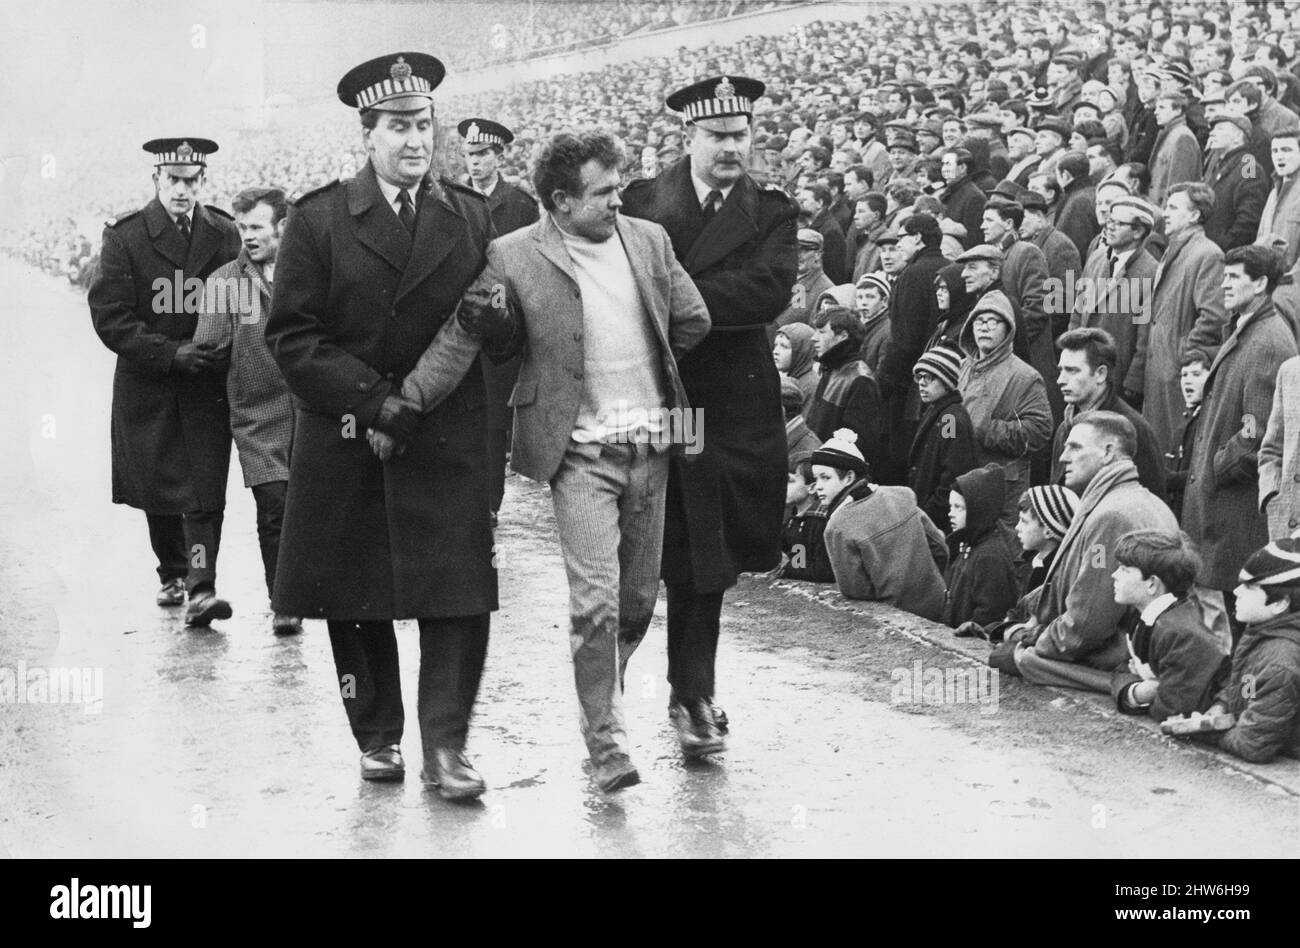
1069,232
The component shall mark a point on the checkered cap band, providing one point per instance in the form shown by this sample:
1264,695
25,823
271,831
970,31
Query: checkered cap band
710,108
411,85
179,158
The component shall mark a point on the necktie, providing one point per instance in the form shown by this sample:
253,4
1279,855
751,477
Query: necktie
406,212
183,225
1111,262
711,202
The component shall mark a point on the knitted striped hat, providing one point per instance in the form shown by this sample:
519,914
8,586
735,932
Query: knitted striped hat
943,362
841,452
1277,564
1054,506
877,281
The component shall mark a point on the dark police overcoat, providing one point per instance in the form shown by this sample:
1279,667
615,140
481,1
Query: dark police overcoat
170,432
725,504
356,301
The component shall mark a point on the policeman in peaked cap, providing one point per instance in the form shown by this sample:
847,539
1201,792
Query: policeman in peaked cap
171,420
370,268
725,505
483,141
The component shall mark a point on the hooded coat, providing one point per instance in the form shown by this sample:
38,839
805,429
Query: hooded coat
1263,692
842,294
1006,400
1023,278
981,577
803,361
960,302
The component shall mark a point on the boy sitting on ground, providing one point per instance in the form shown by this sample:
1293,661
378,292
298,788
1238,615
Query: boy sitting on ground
803,538
1263,692
1045,515
981,577
1175,665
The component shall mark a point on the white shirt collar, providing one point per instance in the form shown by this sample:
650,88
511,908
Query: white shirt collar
1123,255
702,190
176,219
390,192
1156,606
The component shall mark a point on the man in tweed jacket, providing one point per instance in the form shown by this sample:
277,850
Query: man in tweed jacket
233,323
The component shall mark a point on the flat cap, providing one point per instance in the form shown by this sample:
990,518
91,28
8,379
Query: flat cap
809,239
981,252
1240,121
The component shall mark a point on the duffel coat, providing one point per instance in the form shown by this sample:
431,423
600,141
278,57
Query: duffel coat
357,300
725,505
170,432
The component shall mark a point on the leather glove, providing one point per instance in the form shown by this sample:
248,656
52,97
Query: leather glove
397,417
192,357
481,317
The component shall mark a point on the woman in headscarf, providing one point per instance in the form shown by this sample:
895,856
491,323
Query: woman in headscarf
796,357
954,306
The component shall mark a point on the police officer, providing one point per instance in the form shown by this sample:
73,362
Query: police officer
737,242
483,142
170,420
369,269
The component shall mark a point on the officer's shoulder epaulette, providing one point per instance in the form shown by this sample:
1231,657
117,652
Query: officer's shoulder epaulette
122,218
219,212
308,195
463,189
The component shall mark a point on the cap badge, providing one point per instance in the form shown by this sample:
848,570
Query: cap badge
472,133
724,90
401,70
184,150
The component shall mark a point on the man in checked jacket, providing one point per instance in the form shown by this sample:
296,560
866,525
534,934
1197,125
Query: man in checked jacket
233,324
